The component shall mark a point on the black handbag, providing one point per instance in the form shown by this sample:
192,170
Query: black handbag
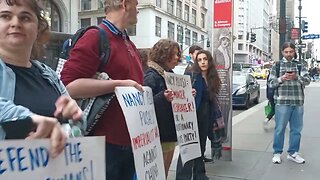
93,108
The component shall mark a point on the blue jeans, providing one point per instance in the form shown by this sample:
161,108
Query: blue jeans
119,162
283,115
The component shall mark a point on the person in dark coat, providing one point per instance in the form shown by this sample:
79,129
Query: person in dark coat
163,57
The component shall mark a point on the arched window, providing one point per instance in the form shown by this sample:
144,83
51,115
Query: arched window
52,14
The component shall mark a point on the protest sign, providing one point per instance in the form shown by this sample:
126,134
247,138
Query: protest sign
138,110
185,117
82,158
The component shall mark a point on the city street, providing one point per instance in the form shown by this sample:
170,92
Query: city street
252,147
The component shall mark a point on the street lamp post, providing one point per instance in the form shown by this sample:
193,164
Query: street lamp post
282,25
300,41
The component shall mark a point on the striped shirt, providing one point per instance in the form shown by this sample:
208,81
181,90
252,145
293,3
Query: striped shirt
114,29
288,92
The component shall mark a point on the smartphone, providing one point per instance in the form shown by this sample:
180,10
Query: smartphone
18,129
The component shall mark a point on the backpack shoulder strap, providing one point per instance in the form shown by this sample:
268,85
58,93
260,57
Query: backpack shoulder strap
299,66
278,68
104,47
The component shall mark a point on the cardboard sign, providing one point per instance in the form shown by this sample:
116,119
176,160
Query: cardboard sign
185,117
82,158
138,109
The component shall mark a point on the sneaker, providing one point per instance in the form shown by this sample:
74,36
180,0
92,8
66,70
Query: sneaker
295,157
276,158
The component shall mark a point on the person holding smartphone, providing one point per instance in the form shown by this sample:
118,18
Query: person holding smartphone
289,99
31,94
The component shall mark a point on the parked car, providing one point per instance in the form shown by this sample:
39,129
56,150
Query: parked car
245,90
248,70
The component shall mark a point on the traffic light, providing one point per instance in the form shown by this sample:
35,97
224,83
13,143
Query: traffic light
208,43
304,26
253,37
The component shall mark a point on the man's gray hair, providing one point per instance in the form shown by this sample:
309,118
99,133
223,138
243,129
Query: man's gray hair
110,5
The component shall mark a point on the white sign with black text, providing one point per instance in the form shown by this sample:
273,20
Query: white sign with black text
138,110
185,117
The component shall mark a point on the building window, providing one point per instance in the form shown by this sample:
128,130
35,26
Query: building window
187,39
85,22
194,1
194,16
85,5
170,7
179,9
52,15
194,37
202,20
202,40
171,30
100,4
132,30
186,13
203,3
158,3
240,37
158,27
179,34
240,46
99,19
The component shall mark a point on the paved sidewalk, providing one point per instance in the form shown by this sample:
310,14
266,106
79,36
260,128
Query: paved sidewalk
252,147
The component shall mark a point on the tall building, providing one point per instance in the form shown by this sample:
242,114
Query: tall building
184,21
251,17
61,14
274,31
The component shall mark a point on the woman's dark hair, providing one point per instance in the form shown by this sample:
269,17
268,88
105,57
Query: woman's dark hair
194,48
213,79
43,26
162,52
288,44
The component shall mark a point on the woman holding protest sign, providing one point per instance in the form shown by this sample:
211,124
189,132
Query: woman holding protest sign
30,91
205,80
163,57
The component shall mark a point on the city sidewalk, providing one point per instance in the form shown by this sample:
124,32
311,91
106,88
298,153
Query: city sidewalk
252,147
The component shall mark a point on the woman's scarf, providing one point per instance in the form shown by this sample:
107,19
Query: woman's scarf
157,67
218,120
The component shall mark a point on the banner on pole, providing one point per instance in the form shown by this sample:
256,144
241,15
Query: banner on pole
222,13
222,55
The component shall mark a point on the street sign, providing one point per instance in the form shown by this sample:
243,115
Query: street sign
311,36
301,45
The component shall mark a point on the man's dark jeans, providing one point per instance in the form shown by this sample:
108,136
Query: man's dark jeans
119,162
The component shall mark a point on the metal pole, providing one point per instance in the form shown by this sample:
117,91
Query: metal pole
282,25
300,30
